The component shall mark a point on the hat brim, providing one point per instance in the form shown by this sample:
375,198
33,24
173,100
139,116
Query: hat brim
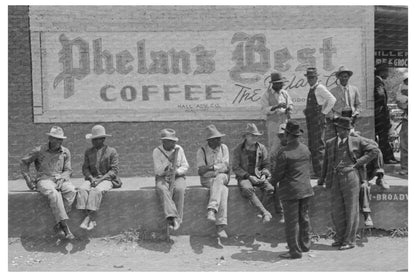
56,136
343,127
295,134
216,136
171,138
90,136
255,134
347,71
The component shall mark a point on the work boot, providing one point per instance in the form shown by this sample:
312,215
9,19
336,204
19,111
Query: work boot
381,182
58,230
211,215
368,222
290,256
68,234
222,234
91,225
267,217
85,222
176,224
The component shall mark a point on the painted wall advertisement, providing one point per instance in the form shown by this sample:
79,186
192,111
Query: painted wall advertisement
162,76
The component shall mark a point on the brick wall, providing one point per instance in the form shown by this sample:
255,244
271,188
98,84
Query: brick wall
135,141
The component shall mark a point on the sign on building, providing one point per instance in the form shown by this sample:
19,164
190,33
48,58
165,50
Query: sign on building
394,58
164,76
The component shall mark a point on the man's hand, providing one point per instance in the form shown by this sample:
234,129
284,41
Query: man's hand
30,184
254,180
59,183
204,169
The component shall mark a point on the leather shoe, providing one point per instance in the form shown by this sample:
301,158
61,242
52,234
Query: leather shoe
381,182
267,217
368,221
281,219
346,246
176,224
58,230
289,256
85,222
336,244
211,215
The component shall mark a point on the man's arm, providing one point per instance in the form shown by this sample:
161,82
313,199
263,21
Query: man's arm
114,165
236,165
67,170
357,102
370,153
279,169
183,163
265,162
25,166
325,98
86,167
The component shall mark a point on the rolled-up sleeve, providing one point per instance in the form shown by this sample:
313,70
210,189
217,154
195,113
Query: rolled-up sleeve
325,98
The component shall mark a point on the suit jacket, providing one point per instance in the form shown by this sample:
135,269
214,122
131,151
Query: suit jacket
354,99
107,166
381,110
361,151
292,172
240,161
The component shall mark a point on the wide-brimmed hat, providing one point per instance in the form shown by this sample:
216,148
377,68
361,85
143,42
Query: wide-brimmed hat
98,131
56,132
212,132
343,69
382,67
277,78
343,122
252,129
293,128
168,134
311,72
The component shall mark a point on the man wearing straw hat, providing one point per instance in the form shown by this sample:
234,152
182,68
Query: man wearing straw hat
295,190
347,98
170,166
53,170
277,105
343,172
318,105
214,171
251,167
100,170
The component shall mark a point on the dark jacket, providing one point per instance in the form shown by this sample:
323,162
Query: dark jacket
240,160
381,110
361,151
107,166
292,172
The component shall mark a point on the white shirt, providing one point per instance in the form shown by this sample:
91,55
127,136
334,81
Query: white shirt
324,98
160,162
281,96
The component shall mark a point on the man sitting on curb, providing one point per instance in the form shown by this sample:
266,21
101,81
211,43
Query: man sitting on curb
100,170
170,168
251,167
213,169
53,166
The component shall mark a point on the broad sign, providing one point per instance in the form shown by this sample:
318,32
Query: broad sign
163,76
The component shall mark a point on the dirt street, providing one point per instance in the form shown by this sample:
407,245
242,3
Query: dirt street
193,253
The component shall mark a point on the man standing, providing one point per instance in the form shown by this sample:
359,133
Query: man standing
214,171
343,171
251,167
347,97
53,167
318,104
100,170
170,166
295,190
277,105
382,113
402,102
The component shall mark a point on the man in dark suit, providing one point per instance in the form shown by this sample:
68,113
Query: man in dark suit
295,190
343,172
382,113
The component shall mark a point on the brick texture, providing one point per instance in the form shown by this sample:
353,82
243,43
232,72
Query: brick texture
134,141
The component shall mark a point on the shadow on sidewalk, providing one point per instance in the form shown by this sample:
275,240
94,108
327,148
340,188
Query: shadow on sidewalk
199,242
258,256
52,244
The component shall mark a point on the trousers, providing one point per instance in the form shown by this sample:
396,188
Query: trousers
89,198
345,206
297,225
248,191
60,198
172,205
218,197
315,123
404,155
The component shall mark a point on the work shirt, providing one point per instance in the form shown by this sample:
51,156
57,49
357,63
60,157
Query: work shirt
218,157
160,161
281,96
49,164
324,98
